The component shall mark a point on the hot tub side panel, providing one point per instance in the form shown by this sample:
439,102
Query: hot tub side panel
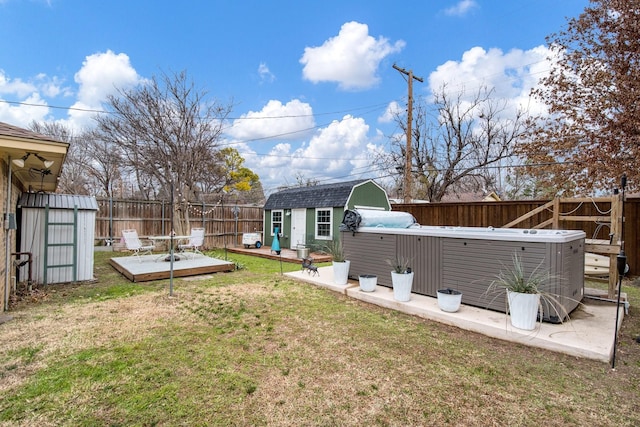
368,253
471,265
425,255
566,286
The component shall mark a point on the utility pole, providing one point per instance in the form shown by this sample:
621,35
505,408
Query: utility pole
407,167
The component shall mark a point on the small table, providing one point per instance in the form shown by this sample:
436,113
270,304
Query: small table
171,249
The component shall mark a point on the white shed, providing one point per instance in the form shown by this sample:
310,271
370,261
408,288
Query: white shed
57,230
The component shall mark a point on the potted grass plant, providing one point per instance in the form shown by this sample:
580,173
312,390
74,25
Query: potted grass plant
340,263
401,278
524,291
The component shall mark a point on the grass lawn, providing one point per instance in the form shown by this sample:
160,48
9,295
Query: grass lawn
253,348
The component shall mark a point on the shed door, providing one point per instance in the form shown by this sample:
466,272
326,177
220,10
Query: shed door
298,226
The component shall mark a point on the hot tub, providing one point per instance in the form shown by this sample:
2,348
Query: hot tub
469,259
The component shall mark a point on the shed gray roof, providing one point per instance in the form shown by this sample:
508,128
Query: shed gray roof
57,201
315,196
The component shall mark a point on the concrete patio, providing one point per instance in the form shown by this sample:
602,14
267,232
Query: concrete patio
589,333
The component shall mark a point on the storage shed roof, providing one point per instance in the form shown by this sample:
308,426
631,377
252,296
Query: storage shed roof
315,196
57,201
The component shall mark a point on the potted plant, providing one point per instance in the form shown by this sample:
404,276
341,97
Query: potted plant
340,263
368,282
449,300
401,278
524,293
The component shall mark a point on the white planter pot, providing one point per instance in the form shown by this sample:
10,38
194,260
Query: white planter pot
341,272
449,300
402,285
368,282
523,310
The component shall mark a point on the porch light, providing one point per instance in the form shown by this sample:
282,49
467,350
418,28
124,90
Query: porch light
47,163
20,162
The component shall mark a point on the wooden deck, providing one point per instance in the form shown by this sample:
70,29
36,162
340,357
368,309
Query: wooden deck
154,267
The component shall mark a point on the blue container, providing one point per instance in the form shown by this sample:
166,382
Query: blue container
275,245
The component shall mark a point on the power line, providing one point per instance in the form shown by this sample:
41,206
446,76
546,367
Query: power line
396,174
99,111
373,107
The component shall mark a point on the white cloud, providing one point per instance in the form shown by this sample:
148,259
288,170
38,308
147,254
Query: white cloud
27,103
52,87
338,150
99,76
101,73
390,112
461,8
332,148
265,74
350,59
275,120
33,108
511,75
16,87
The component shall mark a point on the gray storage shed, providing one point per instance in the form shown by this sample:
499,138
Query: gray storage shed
57,230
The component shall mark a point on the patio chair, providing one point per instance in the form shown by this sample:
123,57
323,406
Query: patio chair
196,240
133,243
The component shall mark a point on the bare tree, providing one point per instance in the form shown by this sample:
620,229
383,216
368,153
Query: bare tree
459,144
106,167
73,179
167,135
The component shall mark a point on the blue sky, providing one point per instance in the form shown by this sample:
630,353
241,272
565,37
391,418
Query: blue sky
312,82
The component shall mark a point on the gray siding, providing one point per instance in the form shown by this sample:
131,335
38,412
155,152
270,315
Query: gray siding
471,265
368,253
425,257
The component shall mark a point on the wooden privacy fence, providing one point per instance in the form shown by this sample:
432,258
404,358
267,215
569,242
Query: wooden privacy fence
611,218
223,227
596,212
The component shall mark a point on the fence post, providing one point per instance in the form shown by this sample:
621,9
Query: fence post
162,219
616,238
556,213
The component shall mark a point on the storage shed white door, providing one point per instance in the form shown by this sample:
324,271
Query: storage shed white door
298,227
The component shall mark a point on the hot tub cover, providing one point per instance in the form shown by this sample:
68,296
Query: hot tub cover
353,219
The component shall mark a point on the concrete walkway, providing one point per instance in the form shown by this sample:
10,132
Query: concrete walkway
589,333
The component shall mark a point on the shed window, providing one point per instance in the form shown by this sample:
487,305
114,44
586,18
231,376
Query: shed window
276,221
323,224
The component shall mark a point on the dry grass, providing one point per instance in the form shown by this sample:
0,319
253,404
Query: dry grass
254,348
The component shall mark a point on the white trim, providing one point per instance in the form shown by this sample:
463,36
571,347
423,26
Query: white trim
315,224
372,208
281,221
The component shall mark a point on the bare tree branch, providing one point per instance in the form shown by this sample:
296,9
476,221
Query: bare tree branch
167,133
455,142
